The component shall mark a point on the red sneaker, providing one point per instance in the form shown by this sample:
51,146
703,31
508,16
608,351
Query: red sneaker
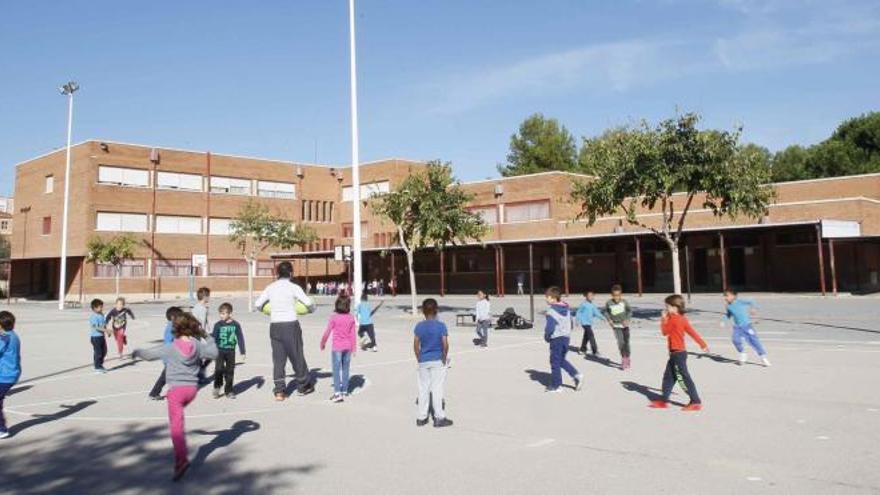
692,407
658,404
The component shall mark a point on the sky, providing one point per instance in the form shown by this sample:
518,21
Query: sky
438,79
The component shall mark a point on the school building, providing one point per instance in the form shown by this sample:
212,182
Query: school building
819,235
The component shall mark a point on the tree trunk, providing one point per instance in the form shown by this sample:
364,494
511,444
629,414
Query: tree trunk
412,280
118,274
251,263
676,267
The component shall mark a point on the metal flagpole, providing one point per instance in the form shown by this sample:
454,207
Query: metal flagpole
355,166
66,90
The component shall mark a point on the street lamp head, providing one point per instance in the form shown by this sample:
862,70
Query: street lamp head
69,88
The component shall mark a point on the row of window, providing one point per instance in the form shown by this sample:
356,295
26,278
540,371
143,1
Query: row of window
135,177
164,224
367,190
514,212
137,268
317,211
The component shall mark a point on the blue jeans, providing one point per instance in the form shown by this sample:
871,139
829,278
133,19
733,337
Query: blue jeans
747,333
558,350
4,389
341,365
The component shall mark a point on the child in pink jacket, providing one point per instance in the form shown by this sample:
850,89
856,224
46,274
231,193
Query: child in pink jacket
342,325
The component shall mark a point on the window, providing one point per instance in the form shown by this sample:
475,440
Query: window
119,176
219,226
229,268
265,268
183,182
489,214
276,190
330,213
174,268
122,222
4,225
527,212
228,185
178,225
367,190
129,269
47,225
50,184
348,230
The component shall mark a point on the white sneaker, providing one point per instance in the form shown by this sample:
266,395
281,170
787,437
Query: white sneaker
375,348
4,434
765,361
743,358
578,380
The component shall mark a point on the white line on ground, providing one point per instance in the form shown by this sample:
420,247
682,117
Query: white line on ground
541,443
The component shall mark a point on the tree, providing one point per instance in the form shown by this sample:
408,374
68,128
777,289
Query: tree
791,164
542,144
114,251
5,248
429,210
256,229
673,165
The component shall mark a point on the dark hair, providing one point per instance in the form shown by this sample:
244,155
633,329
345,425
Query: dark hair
120,299
553,292
363,297
172,312
589,291
186,325
284,269
96,303
730,290
202,293
343,304
616,288
484,293
677,301
225,307
429,307
7,320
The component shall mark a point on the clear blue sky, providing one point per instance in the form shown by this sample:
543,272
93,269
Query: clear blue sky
446,79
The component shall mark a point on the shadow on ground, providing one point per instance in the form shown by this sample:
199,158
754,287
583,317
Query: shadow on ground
650,393
544,378
139,461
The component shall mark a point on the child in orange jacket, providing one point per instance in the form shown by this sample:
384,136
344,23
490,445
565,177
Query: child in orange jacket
674,325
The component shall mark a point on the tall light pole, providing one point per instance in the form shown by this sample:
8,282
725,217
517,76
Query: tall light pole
66,90
355,166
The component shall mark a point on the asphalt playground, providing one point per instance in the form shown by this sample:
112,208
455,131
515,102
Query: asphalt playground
808,424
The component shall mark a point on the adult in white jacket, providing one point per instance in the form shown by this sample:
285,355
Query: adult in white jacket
285,332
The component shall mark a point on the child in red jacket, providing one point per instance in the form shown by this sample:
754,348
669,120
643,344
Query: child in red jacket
674,325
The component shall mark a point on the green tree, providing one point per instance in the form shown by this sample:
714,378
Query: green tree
5,247
541,144
429,209
256,229
114,251
791,164
671,166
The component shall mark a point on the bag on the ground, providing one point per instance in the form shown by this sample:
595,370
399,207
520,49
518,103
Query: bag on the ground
509,319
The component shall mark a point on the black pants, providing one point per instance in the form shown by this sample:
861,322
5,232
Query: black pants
99,351
157,387
287,345
370,331
589,336
677,371
622,337
224,369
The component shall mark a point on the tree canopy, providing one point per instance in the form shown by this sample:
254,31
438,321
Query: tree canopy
114,251
256,229
667,167
540,145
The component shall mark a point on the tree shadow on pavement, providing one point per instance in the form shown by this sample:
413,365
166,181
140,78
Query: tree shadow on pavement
134,459
222,439
38,419
650,393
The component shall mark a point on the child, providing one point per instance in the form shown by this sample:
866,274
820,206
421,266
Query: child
341,325
674,325
739,310
618,313
10,362
171,314
431,347
557,333
365,323
200,312
227,334
117,322
182,358
585,313
483,311
97,323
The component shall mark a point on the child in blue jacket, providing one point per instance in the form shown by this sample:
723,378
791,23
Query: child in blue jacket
585,314
558,334
10,362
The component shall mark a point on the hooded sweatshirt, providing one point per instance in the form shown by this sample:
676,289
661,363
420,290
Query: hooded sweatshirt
558,321
182,359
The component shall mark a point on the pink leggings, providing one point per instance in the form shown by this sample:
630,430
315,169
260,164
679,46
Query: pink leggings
119,335
178,398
